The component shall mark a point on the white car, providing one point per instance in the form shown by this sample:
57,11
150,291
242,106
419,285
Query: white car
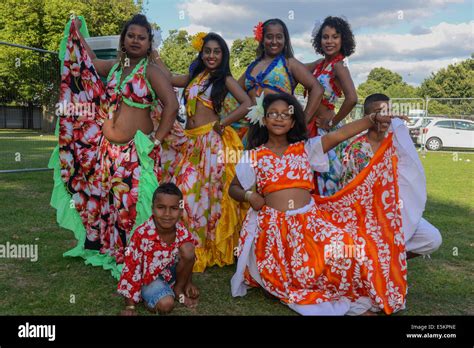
417,122
446,132
415,125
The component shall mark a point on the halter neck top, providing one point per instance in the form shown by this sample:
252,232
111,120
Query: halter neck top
135,90
198,90
276,77
324,73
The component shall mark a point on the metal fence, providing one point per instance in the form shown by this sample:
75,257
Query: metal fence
462,108
29,89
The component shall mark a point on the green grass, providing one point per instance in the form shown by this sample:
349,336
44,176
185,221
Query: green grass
21,149
440,285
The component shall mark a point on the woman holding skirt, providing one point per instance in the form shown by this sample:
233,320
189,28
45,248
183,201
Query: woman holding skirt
107,162
337,255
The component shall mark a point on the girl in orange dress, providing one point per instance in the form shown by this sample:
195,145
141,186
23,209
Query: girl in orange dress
336,255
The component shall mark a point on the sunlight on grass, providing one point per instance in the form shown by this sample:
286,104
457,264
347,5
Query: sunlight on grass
442,284
22,149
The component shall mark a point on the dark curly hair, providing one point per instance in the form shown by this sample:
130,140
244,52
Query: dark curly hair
258,135
343,28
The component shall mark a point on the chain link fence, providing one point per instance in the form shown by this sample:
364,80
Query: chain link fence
29,89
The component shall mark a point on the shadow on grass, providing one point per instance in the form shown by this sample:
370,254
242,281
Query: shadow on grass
54,285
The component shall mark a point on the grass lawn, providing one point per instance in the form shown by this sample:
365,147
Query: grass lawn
440,285
25,149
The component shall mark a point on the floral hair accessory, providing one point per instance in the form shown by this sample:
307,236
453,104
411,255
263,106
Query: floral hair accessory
198,41
156,39
316,26
257,112
258,31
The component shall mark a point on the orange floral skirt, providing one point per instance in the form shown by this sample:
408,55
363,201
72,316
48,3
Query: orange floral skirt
346,246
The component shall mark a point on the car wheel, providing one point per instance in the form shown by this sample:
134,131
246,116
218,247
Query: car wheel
434,144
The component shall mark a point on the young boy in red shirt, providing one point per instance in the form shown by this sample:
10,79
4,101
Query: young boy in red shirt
160,257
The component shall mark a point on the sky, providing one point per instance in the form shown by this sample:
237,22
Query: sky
410,37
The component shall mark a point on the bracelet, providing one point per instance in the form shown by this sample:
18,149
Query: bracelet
156,142
221,126
131,307
247,195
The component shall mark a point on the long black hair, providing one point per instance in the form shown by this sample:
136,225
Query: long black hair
258,135
218,76
343,28
140,20
287,49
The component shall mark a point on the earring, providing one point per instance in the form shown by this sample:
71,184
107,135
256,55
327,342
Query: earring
124,60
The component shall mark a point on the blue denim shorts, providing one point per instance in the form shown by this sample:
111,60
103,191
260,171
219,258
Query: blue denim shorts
157,289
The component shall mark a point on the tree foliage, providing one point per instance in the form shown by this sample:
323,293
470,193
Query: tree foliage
381,80
29,77
177,52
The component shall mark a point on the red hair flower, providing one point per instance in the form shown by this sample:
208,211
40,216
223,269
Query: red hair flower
258,31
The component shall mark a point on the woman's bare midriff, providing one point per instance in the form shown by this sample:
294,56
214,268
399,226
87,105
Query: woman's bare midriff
203,116
323,112
288,199
127,121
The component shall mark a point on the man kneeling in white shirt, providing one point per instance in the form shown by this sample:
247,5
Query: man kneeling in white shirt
421,237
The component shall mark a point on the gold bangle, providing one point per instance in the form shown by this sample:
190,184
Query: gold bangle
247,195
130,307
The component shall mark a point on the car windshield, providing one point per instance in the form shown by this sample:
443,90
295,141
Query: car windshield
426,121
413,120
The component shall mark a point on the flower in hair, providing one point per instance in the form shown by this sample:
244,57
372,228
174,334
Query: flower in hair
198,41
257,112
315,30
258,31
156,39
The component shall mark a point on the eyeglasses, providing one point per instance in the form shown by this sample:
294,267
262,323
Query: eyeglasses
275,115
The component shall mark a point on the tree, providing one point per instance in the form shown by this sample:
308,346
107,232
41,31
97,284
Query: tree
369,87
242,54
28,77
381,80
402,90
454,81
177,52
385,77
